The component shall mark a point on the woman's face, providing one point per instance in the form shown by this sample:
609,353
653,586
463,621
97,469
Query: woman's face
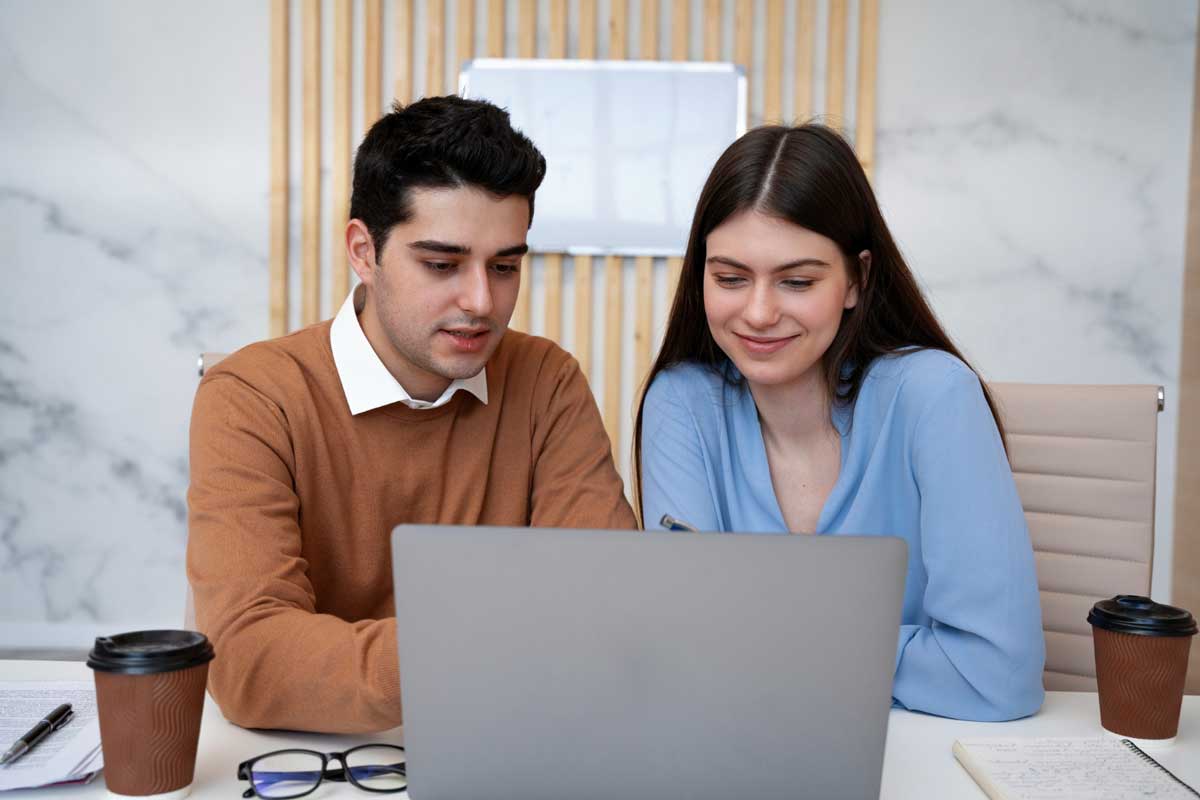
774,294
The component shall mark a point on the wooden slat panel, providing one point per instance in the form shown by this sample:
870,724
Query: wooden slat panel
835,80
743,32
527,29
343,20
583,264
520,317
495,30
806,38
773,79
674,268
279,169
613,319
310,185
868,52
372,58
712,30
680,29
435,54
587,28
464,35
743,39
583,313
649,35
618,30
403,55
552,272
643,322
557,46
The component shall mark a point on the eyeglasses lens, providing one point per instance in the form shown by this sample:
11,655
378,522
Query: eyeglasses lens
287,774
377,767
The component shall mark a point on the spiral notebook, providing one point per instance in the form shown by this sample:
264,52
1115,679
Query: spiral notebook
1053,768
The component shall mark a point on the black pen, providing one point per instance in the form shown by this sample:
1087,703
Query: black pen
51,722
672,524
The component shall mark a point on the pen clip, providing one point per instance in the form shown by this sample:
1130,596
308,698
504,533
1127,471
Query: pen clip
63,720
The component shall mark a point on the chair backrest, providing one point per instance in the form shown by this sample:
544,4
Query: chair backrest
207,361
1083,458
204,363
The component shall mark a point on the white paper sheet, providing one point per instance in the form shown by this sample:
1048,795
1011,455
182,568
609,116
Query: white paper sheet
70,753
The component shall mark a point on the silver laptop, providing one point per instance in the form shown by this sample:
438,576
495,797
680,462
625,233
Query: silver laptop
568,664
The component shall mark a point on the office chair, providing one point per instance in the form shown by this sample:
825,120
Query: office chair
1084,462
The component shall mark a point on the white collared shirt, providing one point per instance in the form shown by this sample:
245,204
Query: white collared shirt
366,381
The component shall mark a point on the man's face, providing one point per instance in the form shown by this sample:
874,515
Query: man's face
443,290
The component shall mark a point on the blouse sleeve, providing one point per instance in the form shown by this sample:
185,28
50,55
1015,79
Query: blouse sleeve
981,656
674,469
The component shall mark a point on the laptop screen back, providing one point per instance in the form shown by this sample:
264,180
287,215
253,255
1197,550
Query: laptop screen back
595,664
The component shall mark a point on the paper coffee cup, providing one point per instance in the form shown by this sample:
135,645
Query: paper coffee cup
150,697
1141,664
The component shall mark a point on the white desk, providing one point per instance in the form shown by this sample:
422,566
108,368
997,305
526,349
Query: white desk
917,765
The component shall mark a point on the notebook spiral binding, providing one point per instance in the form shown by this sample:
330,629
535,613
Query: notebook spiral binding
1144,756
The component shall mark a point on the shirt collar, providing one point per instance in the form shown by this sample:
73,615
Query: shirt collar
366,381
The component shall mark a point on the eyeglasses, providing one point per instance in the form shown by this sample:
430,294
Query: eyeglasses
294,773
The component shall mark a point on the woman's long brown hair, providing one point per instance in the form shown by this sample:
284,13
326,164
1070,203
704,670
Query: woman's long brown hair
807,175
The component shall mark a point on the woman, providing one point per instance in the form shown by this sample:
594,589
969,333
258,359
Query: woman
804,385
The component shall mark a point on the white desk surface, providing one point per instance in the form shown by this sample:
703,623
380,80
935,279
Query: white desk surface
917,764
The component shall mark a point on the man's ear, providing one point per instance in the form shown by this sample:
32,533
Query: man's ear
360,250
864,262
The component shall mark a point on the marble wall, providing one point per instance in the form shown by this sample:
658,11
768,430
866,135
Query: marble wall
133,219
1033,161
1032,158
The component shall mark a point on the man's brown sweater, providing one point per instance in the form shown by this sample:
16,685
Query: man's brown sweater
292,502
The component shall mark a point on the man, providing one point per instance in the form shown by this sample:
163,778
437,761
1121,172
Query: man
414,404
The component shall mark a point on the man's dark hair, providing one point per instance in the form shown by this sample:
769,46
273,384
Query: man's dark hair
439,142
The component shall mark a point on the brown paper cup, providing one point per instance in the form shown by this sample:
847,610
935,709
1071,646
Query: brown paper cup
150,698
1140,680
1141,664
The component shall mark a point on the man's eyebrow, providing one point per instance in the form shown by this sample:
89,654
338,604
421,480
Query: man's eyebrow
449,248
800,262
440,247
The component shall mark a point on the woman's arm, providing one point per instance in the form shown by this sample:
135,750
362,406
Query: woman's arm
674,468
981,656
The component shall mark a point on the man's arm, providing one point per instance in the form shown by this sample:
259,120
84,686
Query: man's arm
575,483
279,664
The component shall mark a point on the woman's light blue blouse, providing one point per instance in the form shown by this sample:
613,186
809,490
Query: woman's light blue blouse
921,459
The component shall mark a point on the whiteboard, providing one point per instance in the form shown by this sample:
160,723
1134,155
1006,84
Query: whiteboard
628,144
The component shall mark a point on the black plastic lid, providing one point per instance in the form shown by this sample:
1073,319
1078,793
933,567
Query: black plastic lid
149,652
1129,613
